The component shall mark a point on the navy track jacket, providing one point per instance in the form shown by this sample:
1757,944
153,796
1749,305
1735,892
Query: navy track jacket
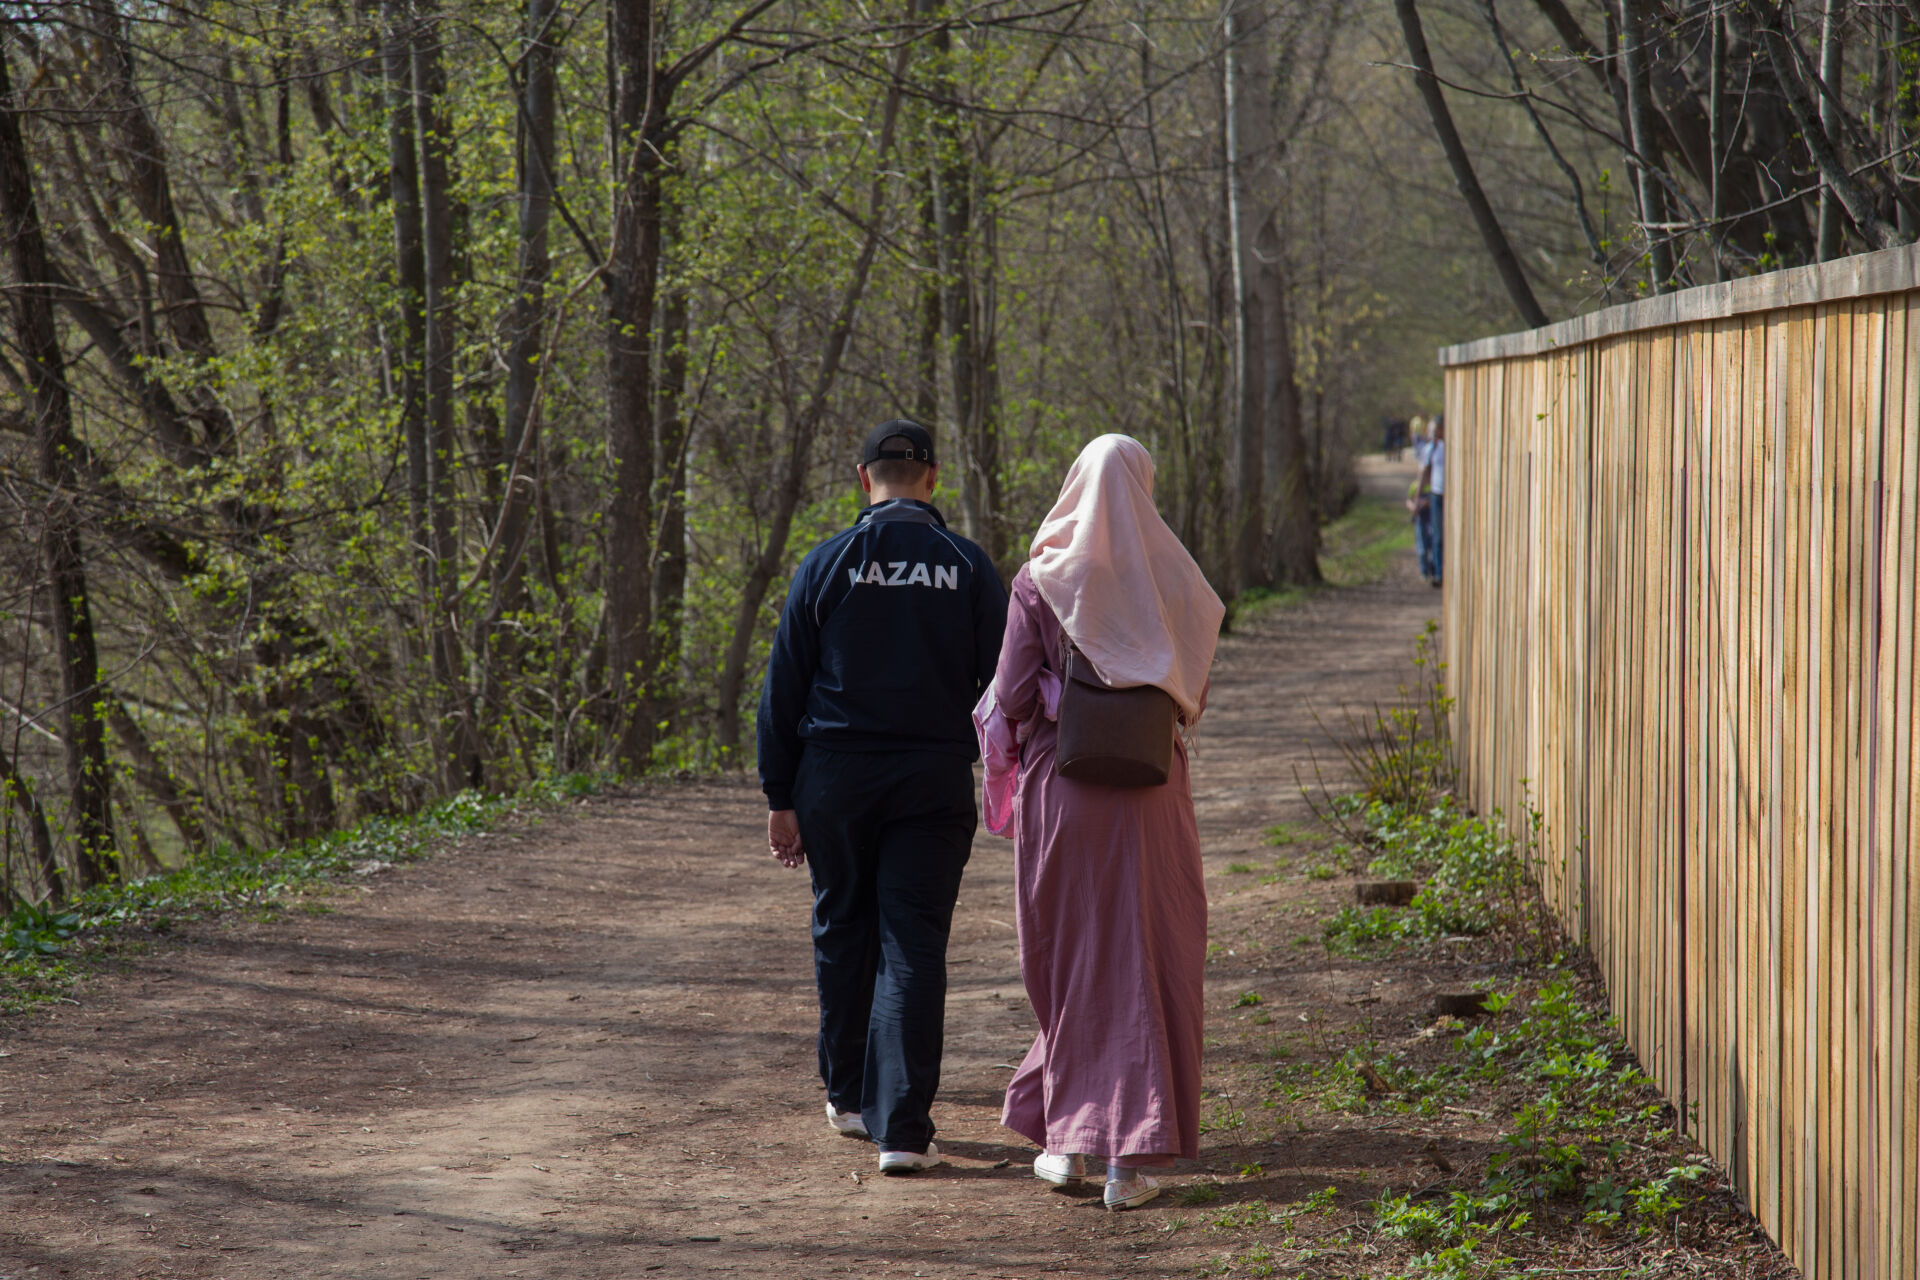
891,631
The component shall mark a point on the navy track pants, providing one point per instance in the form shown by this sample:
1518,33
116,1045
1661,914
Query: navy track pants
887,835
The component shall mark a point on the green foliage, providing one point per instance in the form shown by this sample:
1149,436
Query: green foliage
1398,753
1568,1139
28,984
1321,1201
1460,1238
32,931
1222,1116
1476,879
1259,1261
1585,1115
1240,1217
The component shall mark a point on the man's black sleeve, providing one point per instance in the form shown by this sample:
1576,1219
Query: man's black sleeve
989,621
783,699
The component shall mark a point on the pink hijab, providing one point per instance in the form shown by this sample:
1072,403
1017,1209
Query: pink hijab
1124,588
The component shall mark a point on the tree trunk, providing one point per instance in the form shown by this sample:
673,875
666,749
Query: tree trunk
1505,261
38,343
1854,192
410,273
148,184
15,788
1179,494
435,137
984,430
1832,48
950,169
1295,540
670,447
528,313
926,365
1717,145
1247,114
640,103
526,321
1635,36
1902,111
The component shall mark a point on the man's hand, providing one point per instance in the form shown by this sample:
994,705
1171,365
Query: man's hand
783,837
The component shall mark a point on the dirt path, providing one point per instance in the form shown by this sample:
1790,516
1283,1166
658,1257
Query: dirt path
584,1049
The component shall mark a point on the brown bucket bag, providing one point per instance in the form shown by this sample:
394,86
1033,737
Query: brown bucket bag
1112,737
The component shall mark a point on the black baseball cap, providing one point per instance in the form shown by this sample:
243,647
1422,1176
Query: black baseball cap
883,443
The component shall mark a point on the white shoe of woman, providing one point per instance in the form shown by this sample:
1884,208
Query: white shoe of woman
1061,1171
1132,1193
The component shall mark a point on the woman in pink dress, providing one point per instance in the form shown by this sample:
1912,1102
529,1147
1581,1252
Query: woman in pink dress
1111,911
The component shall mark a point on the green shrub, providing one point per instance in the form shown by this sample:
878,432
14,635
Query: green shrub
32,931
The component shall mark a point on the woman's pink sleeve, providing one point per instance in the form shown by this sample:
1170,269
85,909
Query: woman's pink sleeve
1016,681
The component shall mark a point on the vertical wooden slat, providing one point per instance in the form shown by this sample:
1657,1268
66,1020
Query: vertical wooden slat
1868,957
1760,703
1813,828
1906,827
1778,1080
1693,829
1746,678
1859,1250
1884,906
1640,935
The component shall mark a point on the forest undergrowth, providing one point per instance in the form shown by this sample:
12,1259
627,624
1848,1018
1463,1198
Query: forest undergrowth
45,950
1542,1147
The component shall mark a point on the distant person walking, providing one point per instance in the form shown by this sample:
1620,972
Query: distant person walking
1420,501
1433,478
1393,437
1110,908
891,630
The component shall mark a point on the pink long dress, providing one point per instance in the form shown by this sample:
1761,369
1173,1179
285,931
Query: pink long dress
1112,917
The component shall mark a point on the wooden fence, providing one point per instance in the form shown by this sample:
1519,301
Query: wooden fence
1680,618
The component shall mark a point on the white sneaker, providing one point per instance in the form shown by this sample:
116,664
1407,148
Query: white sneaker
1061,1171
894,1163
846,1122
1132,1193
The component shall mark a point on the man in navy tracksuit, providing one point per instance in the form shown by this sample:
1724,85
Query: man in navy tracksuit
891,631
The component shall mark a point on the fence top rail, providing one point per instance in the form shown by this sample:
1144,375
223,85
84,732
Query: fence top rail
1894,270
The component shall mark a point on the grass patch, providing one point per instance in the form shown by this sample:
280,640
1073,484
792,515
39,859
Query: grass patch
1358,548
43,952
